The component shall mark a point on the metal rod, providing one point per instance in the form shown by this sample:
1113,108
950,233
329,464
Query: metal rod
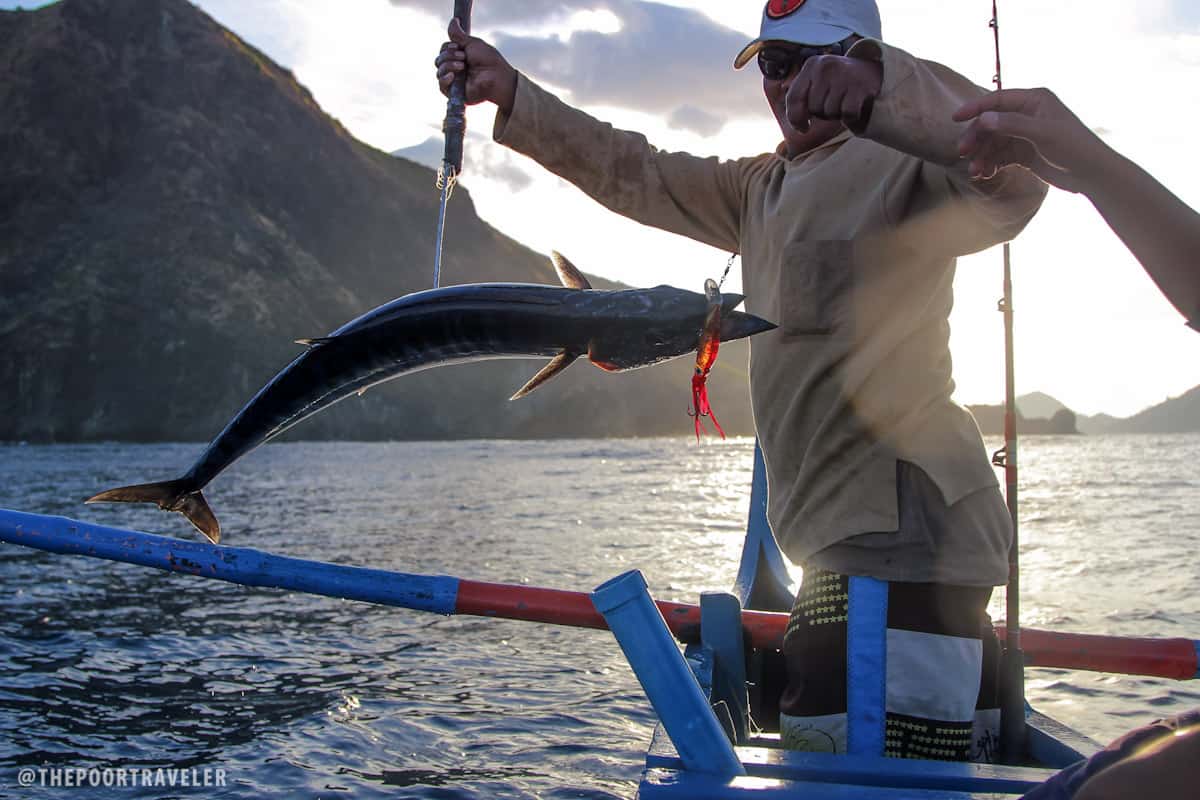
1012,701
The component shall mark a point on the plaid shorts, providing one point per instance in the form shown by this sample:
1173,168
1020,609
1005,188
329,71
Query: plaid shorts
914,675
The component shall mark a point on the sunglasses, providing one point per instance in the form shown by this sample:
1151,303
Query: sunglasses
777,61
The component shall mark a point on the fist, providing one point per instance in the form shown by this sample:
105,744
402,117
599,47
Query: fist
834,88
489,76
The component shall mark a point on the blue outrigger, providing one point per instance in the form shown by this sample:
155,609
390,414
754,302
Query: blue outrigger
729,674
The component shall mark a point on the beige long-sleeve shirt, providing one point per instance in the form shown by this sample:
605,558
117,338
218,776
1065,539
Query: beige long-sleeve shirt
851,249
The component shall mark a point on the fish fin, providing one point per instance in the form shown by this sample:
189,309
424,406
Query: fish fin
731,301
601,362
555,366
568,273
169,496
315,341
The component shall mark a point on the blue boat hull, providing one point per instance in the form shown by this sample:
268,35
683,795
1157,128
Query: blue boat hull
763,583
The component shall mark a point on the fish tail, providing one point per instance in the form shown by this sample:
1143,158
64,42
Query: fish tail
176,495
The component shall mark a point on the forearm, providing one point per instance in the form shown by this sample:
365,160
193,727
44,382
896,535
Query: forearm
913,111
1161,231
914,114
695,197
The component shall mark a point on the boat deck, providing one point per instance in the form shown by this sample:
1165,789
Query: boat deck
775,772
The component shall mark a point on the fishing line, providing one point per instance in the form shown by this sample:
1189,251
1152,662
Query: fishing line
725,274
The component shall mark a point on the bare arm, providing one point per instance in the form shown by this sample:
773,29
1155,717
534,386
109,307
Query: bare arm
1032,128
1168,770
1161,231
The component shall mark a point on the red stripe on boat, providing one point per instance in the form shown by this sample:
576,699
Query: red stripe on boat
1129,655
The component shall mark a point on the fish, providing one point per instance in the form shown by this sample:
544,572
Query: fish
706,355
617,330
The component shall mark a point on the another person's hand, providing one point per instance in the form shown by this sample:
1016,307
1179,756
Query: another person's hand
489,76
1032,128
834,87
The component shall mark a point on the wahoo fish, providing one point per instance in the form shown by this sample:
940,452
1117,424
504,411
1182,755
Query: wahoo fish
618,330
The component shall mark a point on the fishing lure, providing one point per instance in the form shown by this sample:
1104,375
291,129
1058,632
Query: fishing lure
706,356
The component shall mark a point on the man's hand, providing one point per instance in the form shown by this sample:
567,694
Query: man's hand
834,88
489,76
1032,128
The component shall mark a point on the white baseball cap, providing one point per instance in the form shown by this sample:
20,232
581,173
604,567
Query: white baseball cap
816,22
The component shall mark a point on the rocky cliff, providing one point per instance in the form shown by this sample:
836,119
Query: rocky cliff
991,422
175,210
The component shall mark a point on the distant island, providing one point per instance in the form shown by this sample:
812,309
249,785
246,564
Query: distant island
991,421
1039,413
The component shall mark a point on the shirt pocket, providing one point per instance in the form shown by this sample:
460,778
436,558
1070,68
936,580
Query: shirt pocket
816,282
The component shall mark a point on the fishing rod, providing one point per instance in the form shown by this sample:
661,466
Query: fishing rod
455,129
1175,658
1012,662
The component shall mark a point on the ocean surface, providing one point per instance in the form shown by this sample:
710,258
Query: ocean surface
111,665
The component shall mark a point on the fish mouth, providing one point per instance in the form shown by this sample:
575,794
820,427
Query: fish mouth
740,324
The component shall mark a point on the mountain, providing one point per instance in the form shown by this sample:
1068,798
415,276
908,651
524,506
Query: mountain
1038,405
428,152
1175,415
176,209
991,421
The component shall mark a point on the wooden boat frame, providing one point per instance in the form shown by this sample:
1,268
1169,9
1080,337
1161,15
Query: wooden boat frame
722,664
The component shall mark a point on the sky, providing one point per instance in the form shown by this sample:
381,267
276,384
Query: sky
1091,328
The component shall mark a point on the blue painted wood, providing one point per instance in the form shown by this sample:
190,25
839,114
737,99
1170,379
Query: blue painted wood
1050,742
764,758
671,784
232,564
721,632
643,635
763,581
866,665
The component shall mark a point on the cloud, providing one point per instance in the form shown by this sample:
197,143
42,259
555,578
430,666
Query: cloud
1162,17
690,118
661,60
508,13
1183,16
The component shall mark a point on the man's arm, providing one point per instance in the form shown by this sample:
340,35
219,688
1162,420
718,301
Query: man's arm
1032,128
700,198
913,114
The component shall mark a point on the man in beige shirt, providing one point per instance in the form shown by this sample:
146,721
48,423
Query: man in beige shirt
878,484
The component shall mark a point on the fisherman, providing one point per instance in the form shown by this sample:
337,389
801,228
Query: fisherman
1032,128
878,483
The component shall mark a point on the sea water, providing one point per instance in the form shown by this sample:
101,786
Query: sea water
106,665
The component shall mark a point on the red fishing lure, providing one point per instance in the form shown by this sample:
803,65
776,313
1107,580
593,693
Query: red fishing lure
706,356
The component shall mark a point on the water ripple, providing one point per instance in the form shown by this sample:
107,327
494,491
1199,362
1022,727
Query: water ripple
113,665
